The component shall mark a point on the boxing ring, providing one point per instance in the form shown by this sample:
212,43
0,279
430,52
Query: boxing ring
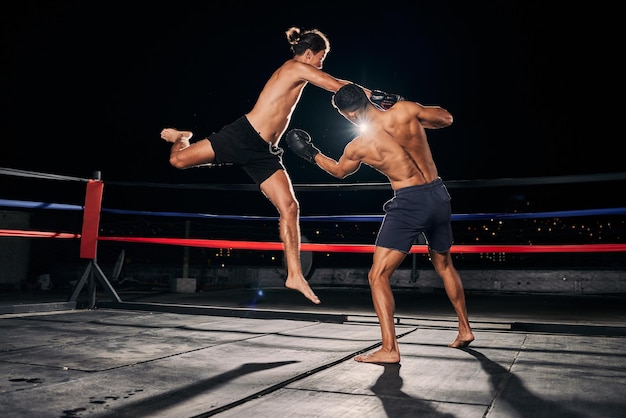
89,227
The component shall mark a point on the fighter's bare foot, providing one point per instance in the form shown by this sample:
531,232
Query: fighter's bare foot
303,287
173,135
380,356
462,341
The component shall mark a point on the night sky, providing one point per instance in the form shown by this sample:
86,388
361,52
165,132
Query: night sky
87,86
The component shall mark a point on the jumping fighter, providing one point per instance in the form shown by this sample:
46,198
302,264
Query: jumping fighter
252,140
394,142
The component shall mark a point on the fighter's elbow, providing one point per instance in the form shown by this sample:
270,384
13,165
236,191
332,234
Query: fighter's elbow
444,123
444,118
342,173
177,163
336,172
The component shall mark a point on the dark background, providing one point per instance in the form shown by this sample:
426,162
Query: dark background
534,90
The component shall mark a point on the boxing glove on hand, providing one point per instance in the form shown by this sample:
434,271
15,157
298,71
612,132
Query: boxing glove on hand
299,142
384,100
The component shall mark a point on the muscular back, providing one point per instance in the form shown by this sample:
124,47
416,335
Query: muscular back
395,144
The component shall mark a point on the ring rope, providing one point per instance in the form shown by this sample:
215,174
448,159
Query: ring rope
320,218
357,218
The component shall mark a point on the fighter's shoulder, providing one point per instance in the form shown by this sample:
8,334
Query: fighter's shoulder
405,109
303,70
296,66
353,145
407,105
291,70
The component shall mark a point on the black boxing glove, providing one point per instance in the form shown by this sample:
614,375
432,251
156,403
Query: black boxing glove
384,100
299,142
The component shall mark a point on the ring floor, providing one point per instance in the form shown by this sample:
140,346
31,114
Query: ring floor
247,353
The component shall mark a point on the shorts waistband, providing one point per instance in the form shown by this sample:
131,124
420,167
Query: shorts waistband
244,118
273,149
438,182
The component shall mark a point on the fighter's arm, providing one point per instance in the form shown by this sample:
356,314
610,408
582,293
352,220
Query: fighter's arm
324,80
340,169
299,141
318,77
433,117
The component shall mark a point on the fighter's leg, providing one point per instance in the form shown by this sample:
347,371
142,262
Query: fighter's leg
454,289
185,155
279,190
385,262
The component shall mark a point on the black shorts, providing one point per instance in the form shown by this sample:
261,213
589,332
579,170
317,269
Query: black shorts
238,143
414,210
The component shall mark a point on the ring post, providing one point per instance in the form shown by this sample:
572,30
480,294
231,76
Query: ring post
89,244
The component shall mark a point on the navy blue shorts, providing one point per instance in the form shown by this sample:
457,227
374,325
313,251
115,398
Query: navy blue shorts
414,210
239,144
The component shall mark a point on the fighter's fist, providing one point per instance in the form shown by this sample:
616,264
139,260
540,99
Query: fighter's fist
385,100
299,142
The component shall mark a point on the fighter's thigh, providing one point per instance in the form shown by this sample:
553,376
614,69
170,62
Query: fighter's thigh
200,152
278,189
386,261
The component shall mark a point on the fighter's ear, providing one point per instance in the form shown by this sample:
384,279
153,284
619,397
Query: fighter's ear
352,115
